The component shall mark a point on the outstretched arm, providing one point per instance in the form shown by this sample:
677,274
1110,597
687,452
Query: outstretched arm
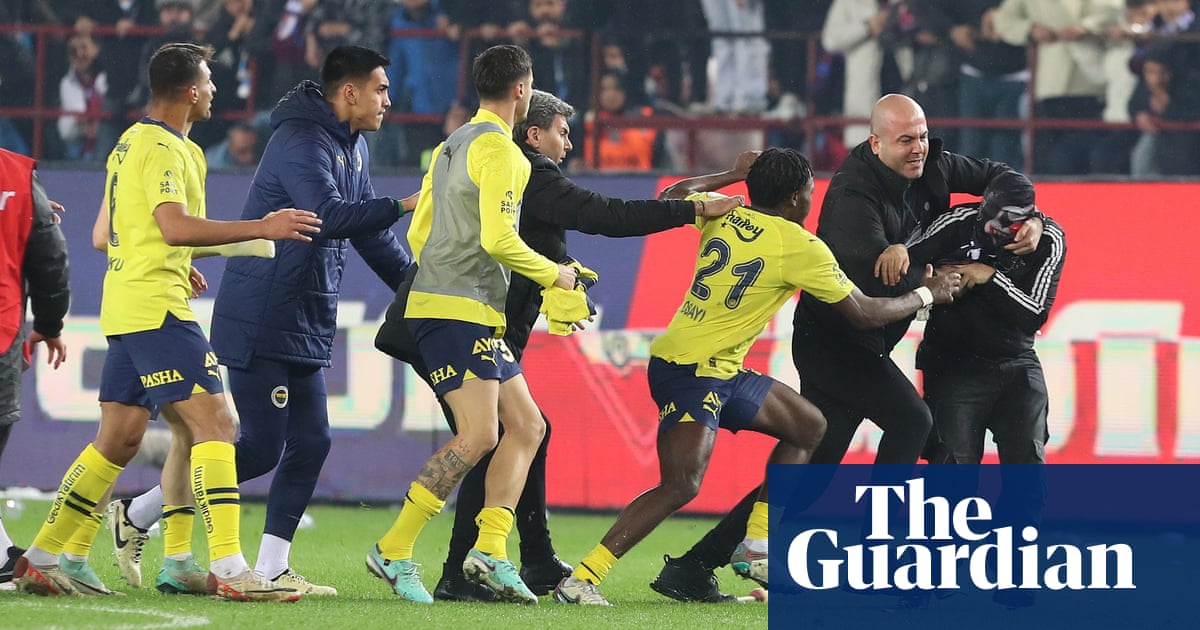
713,181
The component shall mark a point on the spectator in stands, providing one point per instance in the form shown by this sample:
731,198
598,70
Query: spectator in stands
240,150
120,63
177,19
561,62
17,70
617,148
456,117
992,76
229,36
1069,79
1124,48
790,56
207,13
81,91
852,29
336,23
487,21
424,79
933,77
279,39
1163,95
740,81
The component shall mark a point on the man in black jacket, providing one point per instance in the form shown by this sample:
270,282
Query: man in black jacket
551,205
887,188
980,369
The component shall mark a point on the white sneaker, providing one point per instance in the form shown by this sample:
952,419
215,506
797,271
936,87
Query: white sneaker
573,590
249,586
291,579
128,542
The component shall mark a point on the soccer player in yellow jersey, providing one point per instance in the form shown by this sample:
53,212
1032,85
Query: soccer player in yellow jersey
750,262
157,354
464,239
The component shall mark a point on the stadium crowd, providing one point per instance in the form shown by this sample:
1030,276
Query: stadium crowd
1130,63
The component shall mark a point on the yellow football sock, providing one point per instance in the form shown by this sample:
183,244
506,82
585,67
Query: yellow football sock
88,477
214,482
756,527
177,523
420,505
80,544
494,525
595,566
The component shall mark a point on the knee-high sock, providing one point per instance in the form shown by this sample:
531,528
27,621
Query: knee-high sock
177,522
88,477
494,523
756,525
420,505
595,566
214,482
80,544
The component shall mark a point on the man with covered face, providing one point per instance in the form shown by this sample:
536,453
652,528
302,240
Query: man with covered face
981,371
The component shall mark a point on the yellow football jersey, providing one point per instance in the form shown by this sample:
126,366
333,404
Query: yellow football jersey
147,278
750,262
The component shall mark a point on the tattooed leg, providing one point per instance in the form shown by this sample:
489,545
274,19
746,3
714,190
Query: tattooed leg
442,472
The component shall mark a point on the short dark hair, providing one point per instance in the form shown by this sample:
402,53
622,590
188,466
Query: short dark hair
543,107
349,63
776,175
496,70
175,66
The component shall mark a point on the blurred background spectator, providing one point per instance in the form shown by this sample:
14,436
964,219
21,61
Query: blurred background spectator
992,75
239,151
279,36
852,29
423,79
1069,80
739,64
1124,50
82,90
120,62
1164,94
229,36
617,148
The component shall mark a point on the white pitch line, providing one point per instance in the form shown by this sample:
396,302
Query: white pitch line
168,620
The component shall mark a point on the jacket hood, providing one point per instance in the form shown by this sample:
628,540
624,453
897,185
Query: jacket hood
306,102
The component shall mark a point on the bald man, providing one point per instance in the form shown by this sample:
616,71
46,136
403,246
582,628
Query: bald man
891,185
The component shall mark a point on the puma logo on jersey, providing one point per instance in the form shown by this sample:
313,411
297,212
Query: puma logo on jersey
712,403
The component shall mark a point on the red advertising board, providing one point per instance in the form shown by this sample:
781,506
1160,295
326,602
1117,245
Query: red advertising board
1119,350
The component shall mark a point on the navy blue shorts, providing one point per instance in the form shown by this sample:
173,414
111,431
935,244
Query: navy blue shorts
684,397
456,351
151,368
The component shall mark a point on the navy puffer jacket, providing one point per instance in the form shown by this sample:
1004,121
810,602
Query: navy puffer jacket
285,308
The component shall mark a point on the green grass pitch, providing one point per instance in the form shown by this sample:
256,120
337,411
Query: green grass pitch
332,551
